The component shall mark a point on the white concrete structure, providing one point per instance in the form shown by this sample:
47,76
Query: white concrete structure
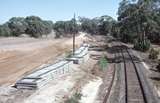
81,55
41,76
44,75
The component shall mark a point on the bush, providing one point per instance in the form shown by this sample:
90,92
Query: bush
103,63
75,98
142,45
158,66
153,54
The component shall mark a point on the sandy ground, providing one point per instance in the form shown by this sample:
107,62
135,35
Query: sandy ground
90,91
57,91
150,65
82,79
19,56
85,78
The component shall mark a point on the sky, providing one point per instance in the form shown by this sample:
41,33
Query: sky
56,10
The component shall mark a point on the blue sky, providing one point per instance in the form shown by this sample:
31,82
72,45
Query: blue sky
57,9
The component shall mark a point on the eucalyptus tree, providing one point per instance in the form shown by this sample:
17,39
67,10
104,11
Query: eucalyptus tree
37,27
149,18
89,25
138,19
98,25
17,25
105,24
65,28
5,31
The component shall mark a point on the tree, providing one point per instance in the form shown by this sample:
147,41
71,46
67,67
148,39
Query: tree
137,19
17,25
98,25
65,28
89,25
5,30
37,27
32,25
105,25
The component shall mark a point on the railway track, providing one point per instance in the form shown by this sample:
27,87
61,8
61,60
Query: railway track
107,96
134,88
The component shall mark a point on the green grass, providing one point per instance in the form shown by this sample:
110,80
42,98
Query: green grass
103,63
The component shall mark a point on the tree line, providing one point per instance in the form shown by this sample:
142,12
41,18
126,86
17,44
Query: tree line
98,25
138,23
34,26
31,25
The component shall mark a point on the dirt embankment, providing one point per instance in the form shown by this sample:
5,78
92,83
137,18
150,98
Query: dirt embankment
19,56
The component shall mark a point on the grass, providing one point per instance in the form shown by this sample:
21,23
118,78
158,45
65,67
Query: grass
103,63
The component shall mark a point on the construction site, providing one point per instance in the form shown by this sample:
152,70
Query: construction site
83,51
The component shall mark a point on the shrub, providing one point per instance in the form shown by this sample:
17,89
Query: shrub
103,63
142,45
153,54
77,95
158,66
71,100
75,98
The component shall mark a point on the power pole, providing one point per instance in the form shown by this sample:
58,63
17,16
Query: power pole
74,33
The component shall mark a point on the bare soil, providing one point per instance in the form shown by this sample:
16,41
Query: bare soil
153,73
19,56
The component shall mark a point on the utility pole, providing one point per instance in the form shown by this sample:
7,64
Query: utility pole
74,33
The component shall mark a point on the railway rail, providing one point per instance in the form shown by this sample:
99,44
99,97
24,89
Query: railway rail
133,85
106,97
134,88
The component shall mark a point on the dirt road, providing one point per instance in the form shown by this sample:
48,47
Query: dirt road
21,55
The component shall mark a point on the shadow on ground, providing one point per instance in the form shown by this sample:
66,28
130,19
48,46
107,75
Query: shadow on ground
119,51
